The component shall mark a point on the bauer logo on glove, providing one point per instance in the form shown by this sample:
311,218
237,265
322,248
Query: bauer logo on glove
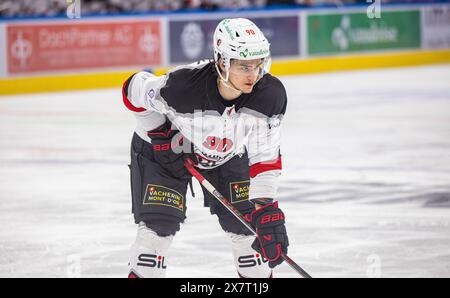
270,227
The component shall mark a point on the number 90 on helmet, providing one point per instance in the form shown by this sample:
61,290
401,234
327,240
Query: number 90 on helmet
240,39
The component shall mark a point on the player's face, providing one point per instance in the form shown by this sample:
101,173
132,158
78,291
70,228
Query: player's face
244,74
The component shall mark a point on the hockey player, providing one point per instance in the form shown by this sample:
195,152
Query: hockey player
225,115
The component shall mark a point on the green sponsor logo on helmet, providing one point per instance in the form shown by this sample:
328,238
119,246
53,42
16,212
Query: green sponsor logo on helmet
259,53
254,53
244,53
229,31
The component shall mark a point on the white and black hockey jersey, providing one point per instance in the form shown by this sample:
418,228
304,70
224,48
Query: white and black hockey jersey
218,129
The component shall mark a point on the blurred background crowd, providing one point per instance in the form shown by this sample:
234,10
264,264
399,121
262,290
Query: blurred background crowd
24,8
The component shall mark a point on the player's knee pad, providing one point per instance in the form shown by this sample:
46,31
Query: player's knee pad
148,253
163,225
248,262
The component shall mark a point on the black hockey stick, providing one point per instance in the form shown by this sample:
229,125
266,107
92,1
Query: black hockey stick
189,164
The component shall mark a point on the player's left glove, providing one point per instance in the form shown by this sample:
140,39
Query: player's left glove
272,238
164,141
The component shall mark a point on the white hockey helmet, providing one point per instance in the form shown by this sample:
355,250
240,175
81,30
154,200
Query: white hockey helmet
240,39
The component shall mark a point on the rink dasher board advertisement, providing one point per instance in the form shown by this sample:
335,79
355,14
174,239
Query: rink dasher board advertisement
435,27
34,47
3,46
351,32
192,39
56,46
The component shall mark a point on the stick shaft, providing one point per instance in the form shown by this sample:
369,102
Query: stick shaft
209,187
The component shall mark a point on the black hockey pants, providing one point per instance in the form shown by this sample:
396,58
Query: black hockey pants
159,199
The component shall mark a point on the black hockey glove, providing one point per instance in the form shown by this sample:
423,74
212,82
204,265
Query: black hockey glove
272,238
164,141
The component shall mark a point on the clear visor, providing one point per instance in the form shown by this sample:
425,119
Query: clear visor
256,67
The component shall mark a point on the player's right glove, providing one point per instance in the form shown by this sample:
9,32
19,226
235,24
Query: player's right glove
272,238
164,141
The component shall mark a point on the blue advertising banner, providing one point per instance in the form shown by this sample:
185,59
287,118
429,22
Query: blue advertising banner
191,40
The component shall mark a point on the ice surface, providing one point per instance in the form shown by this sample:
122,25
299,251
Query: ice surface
365,186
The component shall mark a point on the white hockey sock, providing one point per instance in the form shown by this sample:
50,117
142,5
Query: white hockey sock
249,263
148,254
